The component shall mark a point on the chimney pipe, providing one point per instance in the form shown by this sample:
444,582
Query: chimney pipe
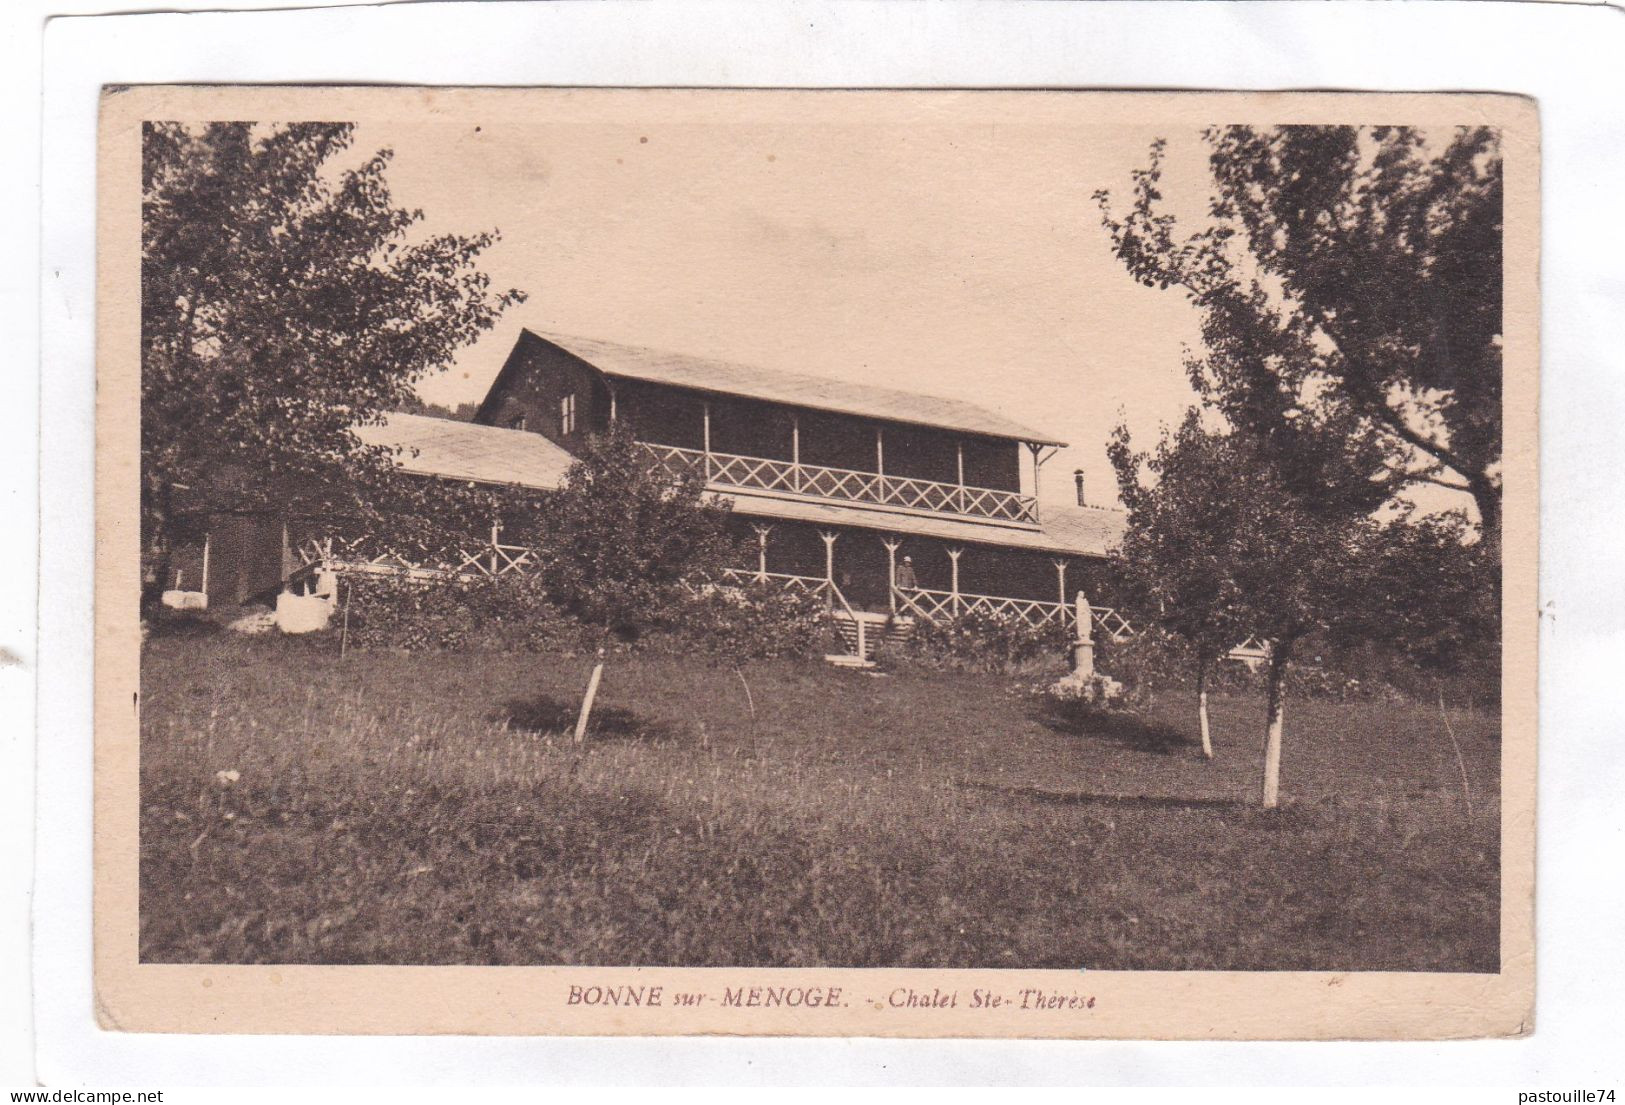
1077,478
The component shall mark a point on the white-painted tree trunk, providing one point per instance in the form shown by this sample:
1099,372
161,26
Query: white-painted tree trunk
1272,734
1201,709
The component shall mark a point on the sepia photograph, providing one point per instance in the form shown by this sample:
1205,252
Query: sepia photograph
976,549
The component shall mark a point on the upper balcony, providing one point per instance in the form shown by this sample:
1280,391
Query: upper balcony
728,471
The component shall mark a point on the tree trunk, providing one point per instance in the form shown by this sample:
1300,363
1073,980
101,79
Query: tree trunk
158,551
1280,656
1487,498
1201,707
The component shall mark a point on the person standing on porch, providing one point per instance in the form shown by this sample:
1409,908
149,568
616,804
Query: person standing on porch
905,575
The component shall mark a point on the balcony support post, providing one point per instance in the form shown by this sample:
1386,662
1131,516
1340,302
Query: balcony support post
705,437
892,544
954,553
762,532
959,461
829,537
795,452
1060,580
1039,457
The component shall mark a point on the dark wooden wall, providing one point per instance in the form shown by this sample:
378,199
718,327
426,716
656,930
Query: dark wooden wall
538,374
533,381
746,427
795,548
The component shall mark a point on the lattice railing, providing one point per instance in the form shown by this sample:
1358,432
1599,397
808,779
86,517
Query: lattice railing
495,559
761,473
935,605
807,585
360,555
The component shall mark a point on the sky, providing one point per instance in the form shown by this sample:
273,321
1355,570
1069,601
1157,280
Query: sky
954,251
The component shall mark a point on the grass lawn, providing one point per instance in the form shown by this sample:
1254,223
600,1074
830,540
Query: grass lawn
427,808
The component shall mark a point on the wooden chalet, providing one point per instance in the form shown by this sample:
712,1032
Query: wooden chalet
845,490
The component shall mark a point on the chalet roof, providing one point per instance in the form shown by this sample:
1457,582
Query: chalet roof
794,388
459,450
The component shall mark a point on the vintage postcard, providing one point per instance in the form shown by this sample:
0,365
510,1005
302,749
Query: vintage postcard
877,563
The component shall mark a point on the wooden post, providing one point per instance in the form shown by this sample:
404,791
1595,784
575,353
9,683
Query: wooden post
705,414
880,451
959,460
892,545
612,408
829,537
761,551
954,554
1060,579
205,567
1039,458
586,703
496,533
795,452
344,633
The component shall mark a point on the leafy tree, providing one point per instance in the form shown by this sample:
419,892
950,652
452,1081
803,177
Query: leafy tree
1176,556
1417,586
1372,262
622,540
1223,544
284,300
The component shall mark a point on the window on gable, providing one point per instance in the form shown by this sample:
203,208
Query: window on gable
567,414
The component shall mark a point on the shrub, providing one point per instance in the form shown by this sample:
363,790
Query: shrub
1153,662
982,642
515,612
1074,699
505,612
748,623
1148,662
396,611
622,540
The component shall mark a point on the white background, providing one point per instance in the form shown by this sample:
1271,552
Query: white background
1570,57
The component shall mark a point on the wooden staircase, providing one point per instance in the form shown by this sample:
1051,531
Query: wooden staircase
858,633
